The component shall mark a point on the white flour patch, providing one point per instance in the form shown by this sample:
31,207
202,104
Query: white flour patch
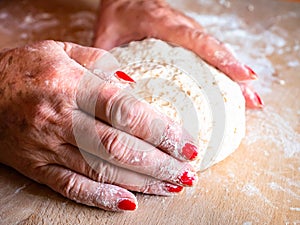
251,190
270,127
297,209
232,31
277,187
292,182
247,223
20,189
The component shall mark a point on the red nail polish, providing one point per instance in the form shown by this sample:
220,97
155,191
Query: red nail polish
259,101
253,75
190,151
123,76
173,188
126,204
187,178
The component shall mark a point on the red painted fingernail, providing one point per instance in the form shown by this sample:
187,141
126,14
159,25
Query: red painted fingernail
253,75
173,188
123,76
259,102
126,204
190,151
187,178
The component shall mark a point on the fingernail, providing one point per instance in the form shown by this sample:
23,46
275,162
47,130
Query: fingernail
190,151
123,76
173,188
259,102
187,178
253,75
126,204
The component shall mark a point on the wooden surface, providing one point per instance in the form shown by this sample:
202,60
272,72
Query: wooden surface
258,184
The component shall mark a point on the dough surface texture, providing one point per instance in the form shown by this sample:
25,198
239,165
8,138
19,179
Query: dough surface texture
208,104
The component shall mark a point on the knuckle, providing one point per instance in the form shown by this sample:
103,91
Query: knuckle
127,113
118,149
100,175
70,186
135,115
100,170
109,174
116,144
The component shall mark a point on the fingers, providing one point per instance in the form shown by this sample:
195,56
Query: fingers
209,49
126,151
253,101
215,53
117,107
102,171
86,191
128,114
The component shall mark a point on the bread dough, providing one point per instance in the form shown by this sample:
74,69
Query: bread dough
177,82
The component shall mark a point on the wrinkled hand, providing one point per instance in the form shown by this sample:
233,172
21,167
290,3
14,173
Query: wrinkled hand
122,21
48,99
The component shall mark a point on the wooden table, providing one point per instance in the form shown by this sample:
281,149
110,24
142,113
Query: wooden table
258,184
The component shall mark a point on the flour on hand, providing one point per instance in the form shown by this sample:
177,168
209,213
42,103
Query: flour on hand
178,83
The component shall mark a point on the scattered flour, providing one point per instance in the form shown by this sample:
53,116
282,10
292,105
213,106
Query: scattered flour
20,189
251,190
247,223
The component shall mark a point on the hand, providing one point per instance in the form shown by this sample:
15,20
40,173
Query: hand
48,97
122,21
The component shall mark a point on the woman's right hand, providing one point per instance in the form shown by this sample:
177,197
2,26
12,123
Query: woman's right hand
81,135
136,20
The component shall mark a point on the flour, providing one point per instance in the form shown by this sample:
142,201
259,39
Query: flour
179,84
297,209
270,45
277,187
251,190
247,223
273,129
20,188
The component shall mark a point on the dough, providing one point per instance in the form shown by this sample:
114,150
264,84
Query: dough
178,83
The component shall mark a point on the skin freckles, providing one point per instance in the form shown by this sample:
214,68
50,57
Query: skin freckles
24,110
63,125
51,131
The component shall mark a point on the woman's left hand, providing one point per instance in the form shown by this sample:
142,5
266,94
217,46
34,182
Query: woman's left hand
122,21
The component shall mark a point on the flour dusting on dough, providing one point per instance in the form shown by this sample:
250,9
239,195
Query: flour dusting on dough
179,84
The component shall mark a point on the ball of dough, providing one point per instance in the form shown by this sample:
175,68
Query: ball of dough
178,83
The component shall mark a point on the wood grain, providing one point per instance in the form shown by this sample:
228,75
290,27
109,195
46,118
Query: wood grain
258,184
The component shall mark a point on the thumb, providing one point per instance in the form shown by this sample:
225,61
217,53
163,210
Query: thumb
86,191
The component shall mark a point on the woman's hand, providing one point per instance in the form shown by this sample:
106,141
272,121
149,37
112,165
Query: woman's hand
84,136
122,21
